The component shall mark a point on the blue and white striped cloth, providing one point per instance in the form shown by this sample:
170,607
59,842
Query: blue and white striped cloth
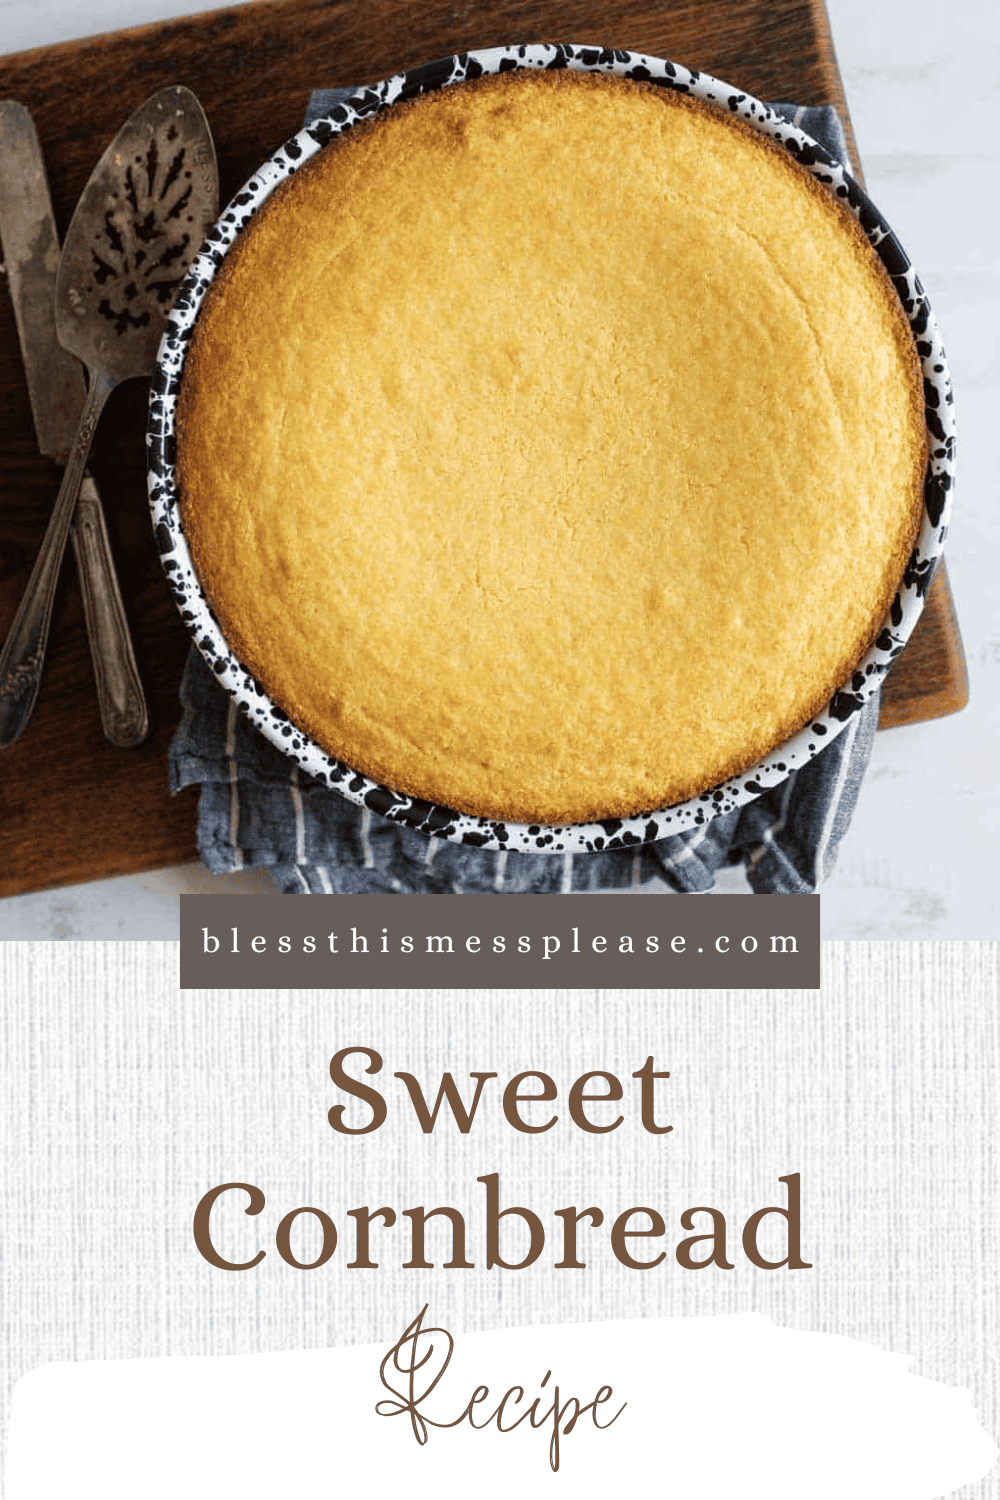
256,809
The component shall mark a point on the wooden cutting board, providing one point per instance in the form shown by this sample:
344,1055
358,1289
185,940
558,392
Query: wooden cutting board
72,807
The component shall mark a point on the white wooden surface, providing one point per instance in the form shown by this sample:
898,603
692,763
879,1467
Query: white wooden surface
919,860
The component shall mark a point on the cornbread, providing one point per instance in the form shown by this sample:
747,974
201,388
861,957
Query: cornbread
551,447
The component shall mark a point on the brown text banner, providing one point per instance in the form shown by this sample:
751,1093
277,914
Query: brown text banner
516,942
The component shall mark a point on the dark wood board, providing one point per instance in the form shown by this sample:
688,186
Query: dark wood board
73,808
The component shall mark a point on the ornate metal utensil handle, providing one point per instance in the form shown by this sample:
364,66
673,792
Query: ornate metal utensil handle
24,650
119,690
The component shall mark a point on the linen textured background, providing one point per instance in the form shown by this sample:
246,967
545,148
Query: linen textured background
125,1099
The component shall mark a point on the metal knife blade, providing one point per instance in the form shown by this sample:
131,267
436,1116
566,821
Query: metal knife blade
56,383
57,390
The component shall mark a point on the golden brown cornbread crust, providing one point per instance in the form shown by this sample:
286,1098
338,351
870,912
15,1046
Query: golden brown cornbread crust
551,447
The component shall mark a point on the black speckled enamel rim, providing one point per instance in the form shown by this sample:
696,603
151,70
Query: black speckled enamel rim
438,821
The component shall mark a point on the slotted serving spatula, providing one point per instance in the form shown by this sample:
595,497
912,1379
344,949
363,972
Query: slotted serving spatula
57,390
137,227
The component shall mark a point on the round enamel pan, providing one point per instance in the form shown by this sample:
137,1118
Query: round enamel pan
441,822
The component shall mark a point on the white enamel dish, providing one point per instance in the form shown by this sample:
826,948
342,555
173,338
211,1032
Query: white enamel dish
439,821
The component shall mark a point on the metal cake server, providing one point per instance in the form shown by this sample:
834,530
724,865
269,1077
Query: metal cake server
58,390
137,227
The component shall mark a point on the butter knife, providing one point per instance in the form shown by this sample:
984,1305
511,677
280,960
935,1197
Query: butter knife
57,390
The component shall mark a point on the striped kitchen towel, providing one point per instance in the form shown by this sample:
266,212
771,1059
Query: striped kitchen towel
257,809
